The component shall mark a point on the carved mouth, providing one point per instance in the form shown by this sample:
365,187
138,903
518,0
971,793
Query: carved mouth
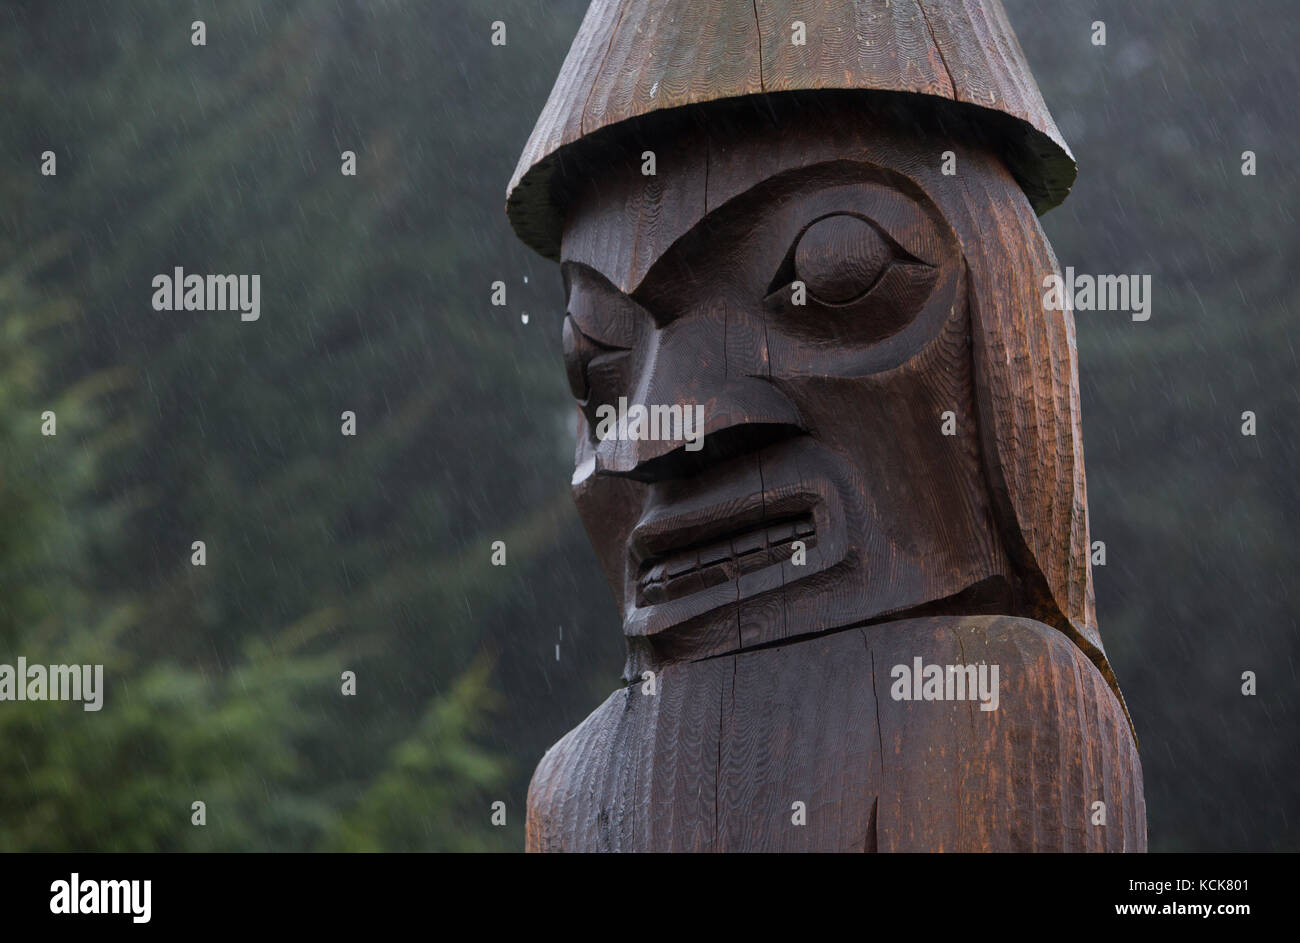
706,546
722,560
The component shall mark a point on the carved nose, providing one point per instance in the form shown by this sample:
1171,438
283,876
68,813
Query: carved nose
746,415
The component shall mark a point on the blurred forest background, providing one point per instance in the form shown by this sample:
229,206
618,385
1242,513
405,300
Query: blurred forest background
328,553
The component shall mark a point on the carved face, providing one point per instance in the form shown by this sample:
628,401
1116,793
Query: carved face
800,283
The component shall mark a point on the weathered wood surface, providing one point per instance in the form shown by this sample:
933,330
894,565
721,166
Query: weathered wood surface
634,57
910,424
696,249
716,760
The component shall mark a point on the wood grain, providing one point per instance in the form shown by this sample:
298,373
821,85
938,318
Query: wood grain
716,760
636,57
892,461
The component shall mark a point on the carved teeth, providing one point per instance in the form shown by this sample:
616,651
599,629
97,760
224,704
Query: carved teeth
682,564
748,543
779,533
715,554
690,571
717,575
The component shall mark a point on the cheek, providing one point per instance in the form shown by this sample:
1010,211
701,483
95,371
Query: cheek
910,311
910,435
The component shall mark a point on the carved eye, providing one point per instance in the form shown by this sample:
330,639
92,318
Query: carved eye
597,373
861,285
840,258
599,332
595,370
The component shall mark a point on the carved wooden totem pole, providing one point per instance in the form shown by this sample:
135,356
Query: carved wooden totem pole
858,610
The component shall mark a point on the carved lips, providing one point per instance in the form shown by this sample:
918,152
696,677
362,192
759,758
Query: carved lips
701,566
698,549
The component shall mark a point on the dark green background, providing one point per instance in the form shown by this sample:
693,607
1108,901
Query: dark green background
371,553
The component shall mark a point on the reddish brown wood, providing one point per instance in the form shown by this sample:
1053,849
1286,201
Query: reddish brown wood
824,425
716,760
635,57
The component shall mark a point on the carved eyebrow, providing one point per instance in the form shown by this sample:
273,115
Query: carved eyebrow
593,248
571,270
757,201
613,324
723,212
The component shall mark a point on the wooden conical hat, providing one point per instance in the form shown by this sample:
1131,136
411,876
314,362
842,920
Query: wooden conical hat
634,57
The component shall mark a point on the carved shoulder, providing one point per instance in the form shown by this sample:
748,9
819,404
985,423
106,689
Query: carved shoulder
569,777
981,733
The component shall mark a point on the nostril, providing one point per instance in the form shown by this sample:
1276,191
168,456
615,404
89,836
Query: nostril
721,445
